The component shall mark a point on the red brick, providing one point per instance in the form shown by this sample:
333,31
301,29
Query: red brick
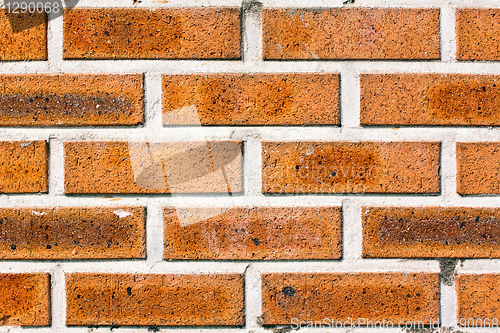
478,299
355,33
478,168
344,296
253,233
167,33
71,100
350,167
166,167
25,299
23,167
478,34
72,233
430,99
23,36
251,99
431,232
154,300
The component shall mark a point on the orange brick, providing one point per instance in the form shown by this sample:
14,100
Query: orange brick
355,33
431,232
154,300
132,33
251,99
72,233
430,99
478,166
344,296
71,100
478,34
140,167
253,233
350,167
23,167
23,36
25,299
478,299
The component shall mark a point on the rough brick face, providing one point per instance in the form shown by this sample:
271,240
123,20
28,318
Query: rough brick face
478,166
253,233
71,100
182,167
23,166
154,300
350,167
337,296
478,297
478,34
245,99
25,299
431,232
430,99
72,233
357,33
128,33
23,36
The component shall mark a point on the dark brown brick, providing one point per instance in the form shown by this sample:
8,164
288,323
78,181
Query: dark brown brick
71,100
431,232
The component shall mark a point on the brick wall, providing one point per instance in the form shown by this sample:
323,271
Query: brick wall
227,166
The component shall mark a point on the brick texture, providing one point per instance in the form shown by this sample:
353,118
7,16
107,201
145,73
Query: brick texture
350,167
253,233
25,299
128,33
337,296
71,100
431,232
72,233
430,99
23,166
357,33
154,300
478,34
140,167
251,99
478,165
23,36
478,297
